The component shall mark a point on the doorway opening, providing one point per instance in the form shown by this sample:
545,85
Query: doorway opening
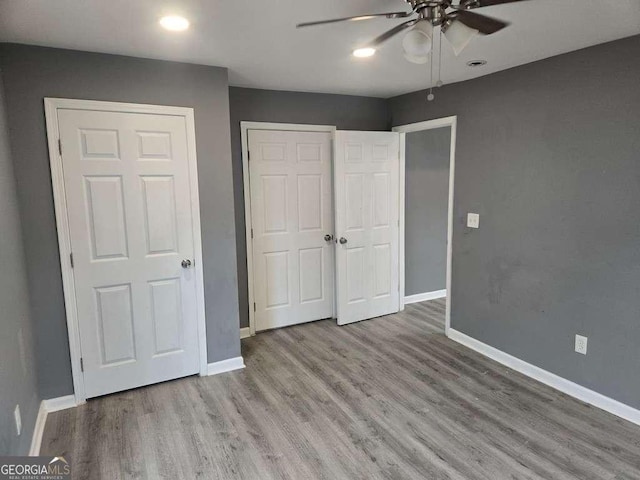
428,150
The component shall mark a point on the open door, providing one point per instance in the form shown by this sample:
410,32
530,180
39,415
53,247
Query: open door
367,177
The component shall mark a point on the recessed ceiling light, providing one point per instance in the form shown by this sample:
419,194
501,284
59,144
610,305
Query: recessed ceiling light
364,52
476,63
174,23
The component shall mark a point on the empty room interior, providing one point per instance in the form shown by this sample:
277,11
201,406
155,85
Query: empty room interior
374,239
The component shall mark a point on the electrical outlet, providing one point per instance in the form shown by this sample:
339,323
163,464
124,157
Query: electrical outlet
22,350
473,220
18,418
581,344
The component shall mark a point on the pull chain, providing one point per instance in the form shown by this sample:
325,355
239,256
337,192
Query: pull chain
439,83
431,96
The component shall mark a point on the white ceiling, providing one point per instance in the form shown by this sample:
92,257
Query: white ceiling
260,45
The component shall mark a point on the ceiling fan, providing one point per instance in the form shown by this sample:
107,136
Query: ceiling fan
458,24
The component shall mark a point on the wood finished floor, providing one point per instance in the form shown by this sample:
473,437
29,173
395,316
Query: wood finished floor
385,398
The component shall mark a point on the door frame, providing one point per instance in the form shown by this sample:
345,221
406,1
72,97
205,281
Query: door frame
245,126
452,122
51,107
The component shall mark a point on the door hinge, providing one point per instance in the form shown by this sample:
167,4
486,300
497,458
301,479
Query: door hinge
252,233
254,306
60,146
248,155
81,364
71,259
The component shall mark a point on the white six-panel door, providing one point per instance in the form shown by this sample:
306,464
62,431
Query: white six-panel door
127,185
367,167
291,213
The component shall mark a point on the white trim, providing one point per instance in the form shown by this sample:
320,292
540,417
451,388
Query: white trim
423,297
291,127
245,332
428,125
64,242
59,403
51,106
452,173
47,407
551,379
246,186
197,238
38,430
229,365
401,220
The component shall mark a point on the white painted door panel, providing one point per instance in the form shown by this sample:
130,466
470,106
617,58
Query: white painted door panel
291,210
128,201
367,169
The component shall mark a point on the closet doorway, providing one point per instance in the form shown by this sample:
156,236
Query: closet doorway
323,229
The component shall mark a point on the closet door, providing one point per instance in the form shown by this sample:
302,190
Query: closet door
127,185
292,226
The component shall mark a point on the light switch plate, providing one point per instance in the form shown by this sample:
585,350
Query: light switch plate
473,220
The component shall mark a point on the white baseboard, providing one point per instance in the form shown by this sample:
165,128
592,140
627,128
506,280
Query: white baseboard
551,379
47,407
60,403
423,297
245,332
38,430
223,366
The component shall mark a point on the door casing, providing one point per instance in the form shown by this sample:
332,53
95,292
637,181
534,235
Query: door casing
52,105
451,122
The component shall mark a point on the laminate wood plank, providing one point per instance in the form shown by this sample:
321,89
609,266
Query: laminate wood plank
387,398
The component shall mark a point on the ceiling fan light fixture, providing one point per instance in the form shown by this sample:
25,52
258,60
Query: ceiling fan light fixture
419,60
364,52
417,43
459,35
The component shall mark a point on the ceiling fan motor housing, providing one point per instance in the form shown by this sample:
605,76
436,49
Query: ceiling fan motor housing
432,10
416,4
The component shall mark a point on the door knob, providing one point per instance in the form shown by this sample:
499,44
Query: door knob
328,238
186,263
342,240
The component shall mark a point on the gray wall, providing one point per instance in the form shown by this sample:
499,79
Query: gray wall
427,157
17,362
247,104
32,73
549,155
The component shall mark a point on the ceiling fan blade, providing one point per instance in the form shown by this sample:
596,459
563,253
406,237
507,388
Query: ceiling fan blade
482,23
485,3
379,40
356,18
489,3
